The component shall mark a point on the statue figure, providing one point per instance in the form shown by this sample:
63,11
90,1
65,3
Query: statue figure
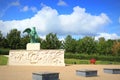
32,33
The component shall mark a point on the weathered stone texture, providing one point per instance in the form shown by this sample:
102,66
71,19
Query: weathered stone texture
37,57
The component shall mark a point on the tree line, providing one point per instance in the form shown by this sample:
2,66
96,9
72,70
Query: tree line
87,44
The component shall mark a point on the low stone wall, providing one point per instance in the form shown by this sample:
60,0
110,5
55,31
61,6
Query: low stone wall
37,57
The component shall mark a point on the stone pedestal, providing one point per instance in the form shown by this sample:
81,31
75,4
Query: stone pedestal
37,57
33,46
45,76
86,73
112,70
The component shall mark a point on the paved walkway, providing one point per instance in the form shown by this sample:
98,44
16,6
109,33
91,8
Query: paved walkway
66,73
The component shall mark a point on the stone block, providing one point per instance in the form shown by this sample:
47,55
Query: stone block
45,76
37,57
86,73
33,46
112,70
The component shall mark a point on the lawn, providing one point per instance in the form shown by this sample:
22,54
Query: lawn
78,61
3,60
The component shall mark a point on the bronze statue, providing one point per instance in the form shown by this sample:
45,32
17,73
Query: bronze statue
32,33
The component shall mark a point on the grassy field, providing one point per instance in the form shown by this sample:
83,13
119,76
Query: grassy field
3,60
77,61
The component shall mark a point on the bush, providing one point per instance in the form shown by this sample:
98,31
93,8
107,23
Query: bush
88,57
4,51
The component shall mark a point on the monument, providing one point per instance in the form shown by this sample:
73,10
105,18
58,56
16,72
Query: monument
33,45
34,56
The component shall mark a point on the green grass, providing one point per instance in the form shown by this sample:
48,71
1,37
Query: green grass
3,60
77,61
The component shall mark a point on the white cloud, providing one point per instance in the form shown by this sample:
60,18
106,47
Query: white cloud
16,3
81,22
61,3
25,8
107,36
49,20
43,5
34,9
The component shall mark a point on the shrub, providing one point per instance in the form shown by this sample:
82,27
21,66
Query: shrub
4,51
88,57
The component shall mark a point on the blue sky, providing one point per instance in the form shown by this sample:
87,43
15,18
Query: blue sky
99,18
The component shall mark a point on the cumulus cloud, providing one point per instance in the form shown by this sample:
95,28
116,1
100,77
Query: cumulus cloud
81,22
107,36
49,20
26,8
61,3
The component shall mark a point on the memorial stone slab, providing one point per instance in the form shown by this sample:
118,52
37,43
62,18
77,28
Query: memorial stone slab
45,76
112,70
86,73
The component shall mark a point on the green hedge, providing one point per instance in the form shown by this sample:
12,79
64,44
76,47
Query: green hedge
78,61
4,51
88,57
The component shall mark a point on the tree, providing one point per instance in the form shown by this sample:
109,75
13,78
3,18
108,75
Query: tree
109,45
101,48
1,38
70,44
116,48
23,41
3,41
104,46
13,39
51,42
86,45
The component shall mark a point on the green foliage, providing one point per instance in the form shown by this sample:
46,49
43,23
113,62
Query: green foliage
4,51
76,61
23,41
86,45
88,57
79,61
14,39
1,38
70,44
3,60
102,46
116,48
51,42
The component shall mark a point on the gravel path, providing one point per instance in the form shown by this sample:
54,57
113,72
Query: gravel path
66,73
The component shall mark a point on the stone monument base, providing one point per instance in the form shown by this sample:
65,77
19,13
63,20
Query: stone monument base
86,73
33,46
45,76
37,57
112,70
